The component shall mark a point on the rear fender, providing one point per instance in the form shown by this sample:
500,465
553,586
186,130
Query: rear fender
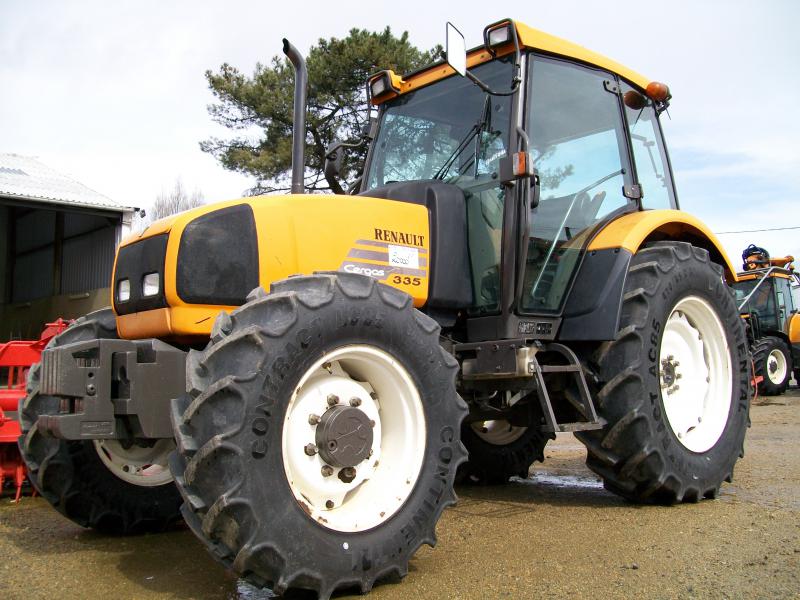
634,230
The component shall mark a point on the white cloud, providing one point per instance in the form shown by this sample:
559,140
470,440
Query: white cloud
114,93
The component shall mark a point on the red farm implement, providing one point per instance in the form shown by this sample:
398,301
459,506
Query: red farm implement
16,358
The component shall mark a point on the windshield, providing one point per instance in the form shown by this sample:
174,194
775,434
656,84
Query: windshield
762,302
454,132
450,130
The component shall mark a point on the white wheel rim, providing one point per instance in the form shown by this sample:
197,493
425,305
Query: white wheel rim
145,467
776,367
498,432
384,480
695,374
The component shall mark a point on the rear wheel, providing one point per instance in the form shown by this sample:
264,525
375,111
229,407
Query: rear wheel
773,361
101,484
318,444
674,382
499,450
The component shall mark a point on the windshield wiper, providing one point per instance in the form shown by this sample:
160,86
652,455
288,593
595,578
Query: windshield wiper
483,124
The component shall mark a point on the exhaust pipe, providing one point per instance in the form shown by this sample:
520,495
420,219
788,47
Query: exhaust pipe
299,129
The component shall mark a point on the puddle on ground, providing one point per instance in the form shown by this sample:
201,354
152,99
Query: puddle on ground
245,591
561,481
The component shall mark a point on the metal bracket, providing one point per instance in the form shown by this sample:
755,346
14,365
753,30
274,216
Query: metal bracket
611,86
633,191
501,359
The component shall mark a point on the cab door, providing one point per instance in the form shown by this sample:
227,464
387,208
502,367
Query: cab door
579,143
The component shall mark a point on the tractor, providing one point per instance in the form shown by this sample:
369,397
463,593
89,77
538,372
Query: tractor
766,301
302,378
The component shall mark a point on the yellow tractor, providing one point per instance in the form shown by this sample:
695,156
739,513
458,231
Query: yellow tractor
302,377
771,316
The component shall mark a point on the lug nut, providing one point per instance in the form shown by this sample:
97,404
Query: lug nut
372,422
326,471
329,504
333,399
355,401
310,449
313,419
347,474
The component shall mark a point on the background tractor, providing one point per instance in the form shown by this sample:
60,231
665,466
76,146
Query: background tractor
301,377
769,309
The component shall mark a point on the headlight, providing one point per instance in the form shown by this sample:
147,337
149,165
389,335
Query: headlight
501,35
150,285
378,87
124,290
384,83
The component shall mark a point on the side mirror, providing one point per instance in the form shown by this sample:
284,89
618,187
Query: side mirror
456,49
333,160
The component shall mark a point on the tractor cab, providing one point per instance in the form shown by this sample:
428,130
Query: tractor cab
547,143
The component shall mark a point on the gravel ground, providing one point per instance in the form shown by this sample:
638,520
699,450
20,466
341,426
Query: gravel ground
557,534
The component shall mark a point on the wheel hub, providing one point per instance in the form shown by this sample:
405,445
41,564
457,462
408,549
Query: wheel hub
669,374
145,466
695,374
776,367
353,439
344,436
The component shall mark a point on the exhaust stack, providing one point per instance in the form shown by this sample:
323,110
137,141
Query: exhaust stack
299,127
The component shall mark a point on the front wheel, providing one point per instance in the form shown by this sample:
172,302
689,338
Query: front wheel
102,484
674,383
773,362
318,444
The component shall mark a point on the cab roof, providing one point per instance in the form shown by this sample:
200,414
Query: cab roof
529,38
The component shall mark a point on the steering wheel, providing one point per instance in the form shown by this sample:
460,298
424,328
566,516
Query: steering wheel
588,207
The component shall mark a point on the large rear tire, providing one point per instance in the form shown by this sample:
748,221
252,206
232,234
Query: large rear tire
773,362
319,441
98,484
674,383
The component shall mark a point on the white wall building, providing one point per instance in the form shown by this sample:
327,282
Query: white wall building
57,245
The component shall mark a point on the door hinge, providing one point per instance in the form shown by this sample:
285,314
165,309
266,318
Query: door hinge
611,86
633,192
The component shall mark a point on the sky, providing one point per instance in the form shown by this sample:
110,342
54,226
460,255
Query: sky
114,94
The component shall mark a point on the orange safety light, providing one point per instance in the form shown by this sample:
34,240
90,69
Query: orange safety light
657,91
519,164
515,166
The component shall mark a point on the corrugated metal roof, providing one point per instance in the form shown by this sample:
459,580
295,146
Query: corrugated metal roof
26,178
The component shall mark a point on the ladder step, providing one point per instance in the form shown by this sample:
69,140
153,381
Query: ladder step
580,426
583,405
560,368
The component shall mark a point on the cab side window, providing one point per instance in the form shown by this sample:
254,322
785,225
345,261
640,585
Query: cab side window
649,153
